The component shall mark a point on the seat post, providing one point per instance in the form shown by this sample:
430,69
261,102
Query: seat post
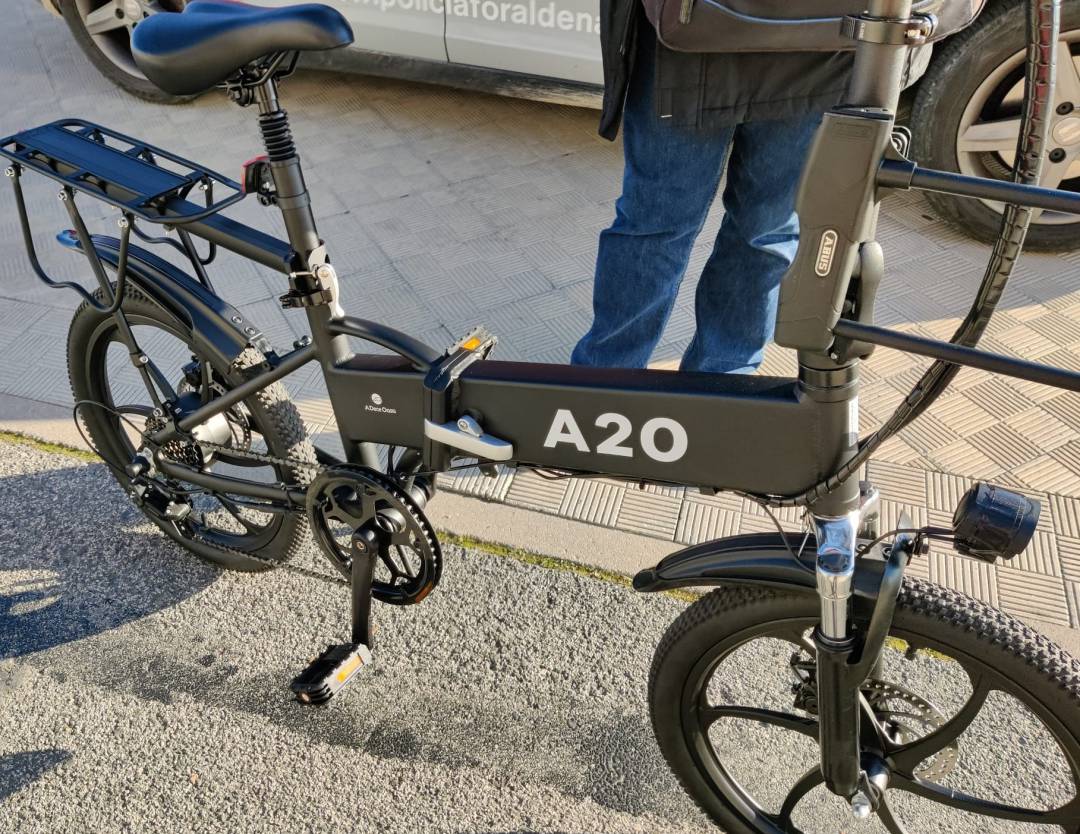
291,196
291,191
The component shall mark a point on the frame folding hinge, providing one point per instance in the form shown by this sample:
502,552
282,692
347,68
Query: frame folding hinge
441,432
912,31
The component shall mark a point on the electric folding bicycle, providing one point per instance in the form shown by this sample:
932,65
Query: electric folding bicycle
183,398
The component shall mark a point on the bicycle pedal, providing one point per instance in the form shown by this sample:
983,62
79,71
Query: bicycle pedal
330,672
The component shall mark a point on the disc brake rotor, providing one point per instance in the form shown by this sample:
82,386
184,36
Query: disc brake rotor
343,499
912,717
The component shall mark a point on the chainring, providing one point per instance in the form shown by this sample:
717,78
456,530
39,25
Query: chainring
916,718
345,498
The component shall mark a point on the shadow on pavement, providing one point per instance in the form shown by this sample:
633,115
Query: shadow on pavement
76,560
18,770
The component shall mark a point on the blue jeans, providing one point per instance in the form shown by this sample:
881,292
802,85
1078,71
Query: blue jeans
670,179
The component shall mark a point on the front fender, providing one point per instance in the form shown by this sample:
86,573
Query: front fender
753,559
219,329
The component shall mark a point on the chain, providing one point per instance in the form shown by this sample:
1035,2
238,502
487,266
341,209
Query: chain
247,454
313,468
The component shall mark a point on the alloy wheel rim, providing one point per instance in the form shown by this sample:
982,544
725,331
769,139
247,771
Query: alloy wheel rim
989,127
902,758
111,23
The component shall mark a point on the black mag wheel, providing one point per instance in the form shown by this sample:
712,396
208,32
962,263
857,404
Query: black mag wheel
102,29
977,716
220,528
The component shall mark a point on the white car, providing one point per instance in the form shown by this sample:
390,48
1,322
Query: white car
964,113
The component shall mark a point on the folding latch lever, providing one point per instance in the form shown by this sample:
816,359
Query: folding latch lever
467,435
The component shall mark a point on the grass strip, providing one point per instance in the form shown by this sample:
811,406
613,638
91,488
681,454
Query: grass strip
45,446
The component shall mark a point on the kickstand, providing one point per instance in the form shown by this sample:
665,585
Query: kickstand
340,663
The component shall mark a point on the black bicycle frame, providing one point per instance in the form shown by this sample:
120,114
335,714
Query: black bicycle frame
778,437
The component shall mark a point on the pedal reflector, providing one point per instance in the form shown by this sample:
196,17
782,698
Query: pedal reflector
329,672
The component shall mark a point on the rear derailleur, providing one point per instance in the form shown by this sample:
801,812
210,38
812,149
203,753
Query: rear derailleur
225,434
373,529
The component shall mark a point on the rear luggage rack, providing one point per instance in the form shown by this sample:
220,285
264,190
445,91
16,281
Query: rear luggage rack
138,178
141,180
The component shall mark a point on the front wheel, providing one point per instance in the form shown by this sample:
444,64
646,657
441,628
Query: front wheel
977,717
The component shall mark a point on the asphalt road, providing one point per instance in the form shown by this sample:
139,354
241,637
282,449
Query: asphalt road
144,691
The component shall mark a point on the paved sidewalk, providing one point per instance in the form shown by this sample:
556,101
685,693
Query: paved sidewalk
444,209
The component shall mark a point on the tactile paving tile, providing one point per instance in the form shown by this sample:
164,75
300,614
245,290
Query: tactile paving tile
700,521
1033,595
1069,553
974,578
478,484
595,501
650,513
528,489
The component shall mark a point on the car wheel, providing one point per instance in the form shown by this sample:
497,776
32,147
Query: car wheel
966,118
103,28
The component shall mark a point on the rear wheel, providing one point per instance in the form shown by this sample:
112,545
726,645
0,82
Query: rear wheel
222,528
103,28
977,717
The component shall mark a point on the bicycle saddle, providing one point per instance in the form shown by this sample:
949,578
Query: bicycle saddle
193,50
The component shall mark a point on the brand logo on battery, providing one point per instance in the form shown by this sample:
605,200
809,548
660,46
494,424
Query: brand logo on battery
377,406
825,253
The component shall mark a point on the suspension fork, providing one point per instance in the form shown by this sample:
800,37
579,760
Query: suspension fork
847,657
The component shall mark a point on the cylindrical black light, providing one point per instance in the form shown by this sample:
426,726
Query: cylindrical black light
992,523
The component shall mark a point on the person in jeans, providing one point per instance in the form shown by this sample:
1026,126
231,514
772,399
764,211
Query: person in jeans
685,118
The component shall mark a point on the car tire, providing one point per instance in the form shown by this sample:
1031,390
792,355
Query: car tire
111,54
960,67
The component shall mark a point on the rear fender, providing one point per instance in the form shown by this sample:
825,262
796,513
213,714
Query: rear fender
219,329
753,559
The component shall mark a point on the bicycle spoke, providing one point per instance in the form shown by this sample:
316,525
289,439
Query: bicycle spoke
891,823
810,780
391,565
1068,814
404,561
234,511
105,19
907,756
807,726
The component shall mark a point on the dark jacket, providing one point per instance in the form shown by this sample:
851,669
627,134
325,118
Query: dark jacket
717,90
